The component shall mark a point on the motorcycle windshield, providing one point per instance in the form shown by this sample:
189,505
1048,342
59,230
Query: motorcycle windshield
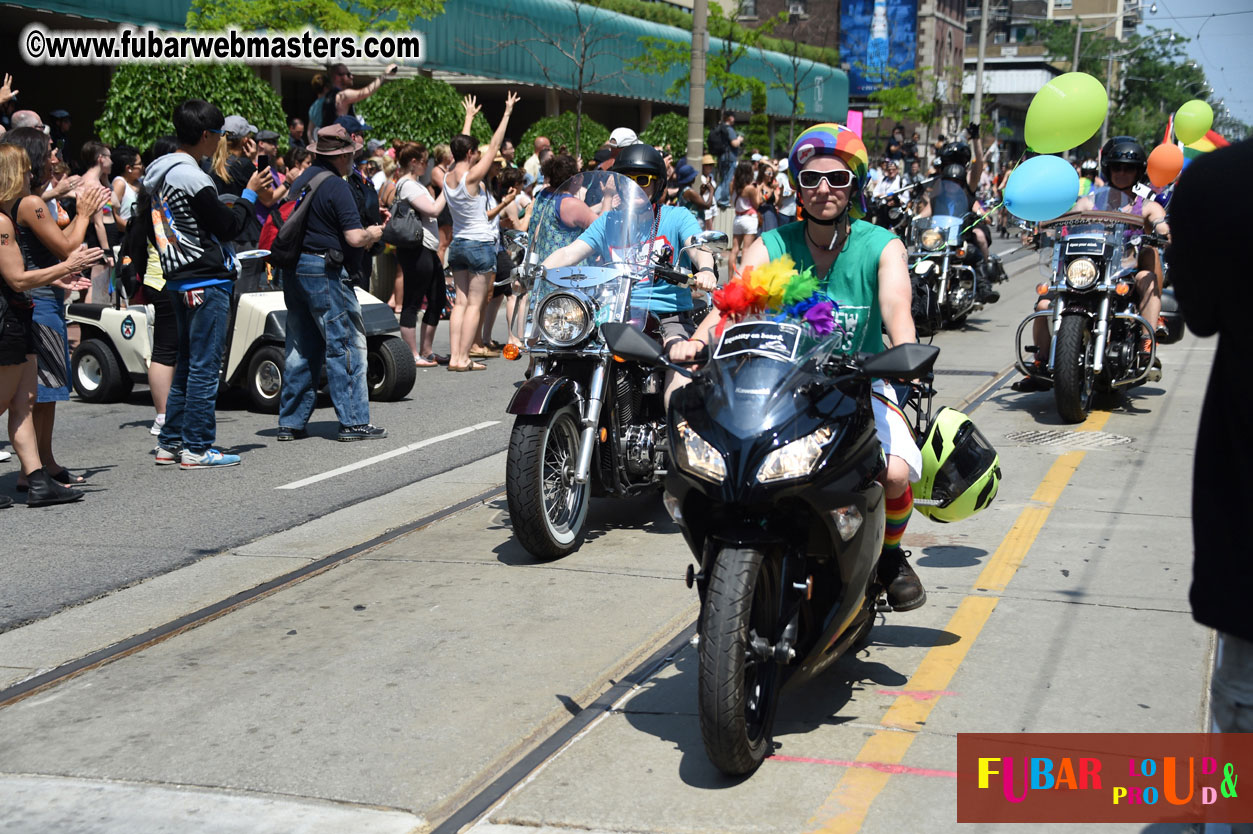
757,368
611,214
948,226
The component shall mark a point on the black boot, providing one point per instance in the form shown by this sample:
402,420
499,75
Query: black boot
5,502
44,491
905,591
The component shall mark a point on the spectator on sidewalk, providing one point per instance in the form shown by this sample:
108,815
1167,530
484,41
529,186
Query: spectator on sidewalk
324,324
340,99
199,270
1206,255
725,144
296,133
423,273
365,196
531,166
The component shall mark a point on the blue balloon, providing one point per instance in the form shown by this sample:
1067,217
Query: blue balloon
1042,188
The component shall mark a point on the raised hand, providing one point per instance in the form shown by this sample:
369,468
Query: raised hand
471,105
7,94
510,100
91,197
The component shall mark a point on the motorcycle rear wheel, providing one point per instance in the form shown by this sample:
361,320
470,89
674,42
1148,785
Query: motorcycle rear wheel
547,508
737,691
1073,376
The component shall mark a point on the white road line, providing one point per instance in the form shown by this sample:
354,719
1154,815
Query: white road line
361,464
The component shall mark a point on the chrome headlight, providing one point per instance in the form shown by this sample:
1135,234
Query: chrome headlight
796,459
1081,273
698,457
564,320
932,239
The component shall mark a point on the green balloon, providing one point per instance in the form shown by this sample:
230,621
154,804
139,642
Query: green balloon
1067,112
1193,120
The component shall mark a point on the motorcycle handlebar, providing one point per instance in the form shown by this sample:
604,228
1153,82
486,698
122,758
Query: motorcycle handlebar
673,276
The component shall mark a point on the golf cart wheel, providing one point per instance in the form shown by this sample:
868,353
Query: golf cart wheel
97,374
390,371
265,379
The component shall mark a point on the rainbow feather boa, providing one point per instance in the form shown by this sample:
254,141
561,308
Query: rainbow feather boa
777,290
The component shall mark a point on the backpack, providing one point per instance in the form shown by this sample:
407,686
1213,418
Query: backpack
718,141
284,230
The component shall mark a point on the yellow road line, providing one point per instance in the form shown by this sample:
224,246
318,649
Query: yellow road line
845,809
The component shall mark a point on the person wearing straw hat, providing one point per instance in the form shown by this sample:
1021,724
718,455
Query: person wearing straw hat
324,324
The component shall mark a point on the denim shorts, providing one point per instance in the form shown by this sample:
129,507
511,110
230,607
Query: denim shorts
476,256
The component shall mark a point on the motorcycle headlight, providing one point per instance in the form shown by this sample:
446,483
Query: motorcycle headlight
564,320
931,239
1081,273
698,457
796,459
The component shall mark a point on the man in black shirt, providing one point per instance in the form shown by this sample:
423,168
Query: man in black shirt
324,325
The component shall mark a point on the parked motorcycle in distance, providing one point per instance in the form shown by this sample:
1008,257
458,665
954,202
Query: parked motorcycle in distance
587,425
1098,335
773,485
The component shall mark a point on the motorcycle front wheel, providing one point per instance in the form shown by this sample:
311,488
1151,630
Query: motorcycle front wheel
738,692
547,508
1072,375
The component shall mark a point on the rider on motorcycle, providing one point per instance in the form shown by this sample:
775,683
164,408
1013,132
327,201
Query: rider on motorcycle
1123,166
672,229
865,268
953,194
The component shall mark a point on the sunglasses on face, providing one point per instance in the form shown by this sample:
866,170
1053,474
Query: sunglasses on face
643,180
1122,166
841,178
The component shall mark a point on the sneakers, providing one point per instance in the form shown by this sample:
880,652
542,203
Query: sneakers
5,455
210,459
167,457
285,433
157,425
905,591
365,431
1163,329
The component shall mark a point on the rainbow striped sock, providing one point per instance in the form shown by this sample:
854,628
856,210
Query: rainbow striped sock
897,513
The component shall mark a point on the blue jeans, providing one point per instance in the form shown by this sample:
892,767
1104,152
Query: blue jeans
324,327
726,167
190,418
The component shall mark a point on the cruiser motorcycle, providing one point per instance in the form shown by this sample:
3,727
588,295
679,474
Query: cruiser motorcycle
946,271
1098,335
586,424
774,487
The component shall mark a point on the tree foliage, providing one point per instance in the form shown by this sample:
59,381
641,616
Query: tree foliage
142,98
900,100
667,130
560,130
419,110
757,131
328,15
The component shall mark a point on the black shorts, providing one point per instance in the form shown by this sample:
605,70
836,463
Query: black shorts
164,327
17,336
504,275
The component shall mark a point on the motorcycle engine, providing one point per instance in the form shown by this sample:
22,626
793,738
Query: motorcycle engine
960,297
639,451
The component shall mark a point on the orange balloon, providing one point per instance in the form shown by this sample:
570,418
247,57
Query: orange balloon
1165,163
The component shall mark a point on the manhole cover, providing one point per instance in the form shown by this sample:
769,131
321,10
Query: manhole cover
1069,439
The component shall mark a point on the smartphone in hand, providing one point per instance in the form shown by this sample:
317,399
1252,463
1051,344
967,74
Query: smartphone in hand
263,161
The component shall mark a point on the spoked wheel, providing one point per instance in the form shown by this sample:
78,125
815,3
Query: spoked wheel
738,690
547,507
1073,376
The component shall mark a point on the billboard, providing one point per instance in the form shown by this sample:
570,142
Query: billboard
879,39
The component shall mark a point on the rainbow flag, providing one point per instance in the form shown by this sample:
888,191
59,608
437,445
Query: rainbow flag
1211,141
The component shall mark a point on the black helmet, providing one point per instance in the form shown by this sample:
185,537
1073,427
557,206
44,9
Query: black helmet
1088,166
955,153
643,159
953,171
1123,149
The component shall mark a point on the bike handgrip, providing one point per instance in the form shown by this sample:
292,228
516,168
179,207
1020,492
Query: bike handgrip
673,276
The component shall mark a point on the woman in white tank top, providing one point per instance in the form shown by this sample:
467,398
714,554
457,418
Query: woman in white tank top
472,254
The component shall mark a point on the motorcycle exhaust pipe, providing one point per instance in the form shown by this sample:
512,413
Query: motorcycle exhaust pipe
591,419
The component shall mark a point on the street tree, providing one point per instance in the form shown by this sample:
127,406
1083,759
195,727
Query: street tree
798,31
328,15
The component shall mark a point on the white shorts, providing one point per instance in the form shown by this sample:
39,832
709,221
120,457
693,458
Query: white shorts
745,224
895,436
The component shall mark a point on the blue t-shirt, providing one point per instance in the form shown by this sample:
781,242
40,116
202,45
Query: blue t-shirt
675,228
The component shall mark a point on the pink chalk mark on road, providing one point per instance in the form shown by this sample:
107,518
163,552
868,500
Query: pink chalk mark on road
917,694
880,766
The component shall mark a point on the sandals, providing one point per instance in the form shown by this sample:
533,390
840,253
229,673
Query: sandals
484,353
424,362
473,366
65,477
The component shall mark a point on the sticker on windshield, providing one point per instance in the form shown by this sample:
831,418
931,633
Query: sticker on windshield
638,254
775,340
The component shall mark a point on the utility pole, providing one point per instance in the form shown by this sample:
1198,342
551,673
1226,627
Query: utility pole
696,89
976,115
1074,63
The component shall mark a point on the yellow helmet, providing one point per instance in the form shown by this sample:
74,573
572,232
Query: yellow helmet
961,472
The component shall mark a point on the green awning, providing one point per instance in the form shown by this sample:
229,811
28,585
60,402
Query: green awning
164,14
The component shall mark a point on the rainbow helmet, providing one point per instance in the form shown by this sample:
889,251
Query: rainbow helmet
832,139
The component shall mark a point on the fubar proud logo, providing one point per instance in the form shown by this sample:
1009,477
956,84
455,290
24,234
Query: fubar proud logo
1104,777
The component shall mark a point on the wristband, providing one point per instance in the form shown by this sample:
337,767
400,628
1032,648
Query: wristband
249,195
703,343
708,269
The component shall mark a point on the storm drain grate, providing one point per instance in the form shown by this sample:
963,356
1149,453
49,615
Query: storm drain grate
1069,439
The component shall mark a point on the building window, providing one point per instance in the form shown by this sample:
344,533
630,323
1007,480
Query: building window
748,8
1063,4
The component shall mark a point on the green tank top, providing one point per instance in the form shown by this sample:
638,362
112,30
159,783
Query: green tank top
853,280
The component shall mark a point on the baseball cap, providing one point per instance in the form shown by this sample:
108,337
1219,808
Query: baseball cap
267,136
237,127
374,144
352,124
622,136
756,157
59,114
601,155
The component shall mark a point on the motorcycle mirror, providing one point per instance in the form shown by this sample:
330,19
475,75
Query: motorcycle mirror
517,240
901,362
714,241
630,343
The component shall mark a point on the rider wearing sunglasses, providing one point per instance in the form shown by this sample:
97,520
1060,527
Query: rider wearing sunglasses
864,268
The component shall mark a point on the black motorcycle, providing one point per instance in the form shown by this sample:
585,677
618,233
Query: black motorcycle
1098,335
587,425
774,487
